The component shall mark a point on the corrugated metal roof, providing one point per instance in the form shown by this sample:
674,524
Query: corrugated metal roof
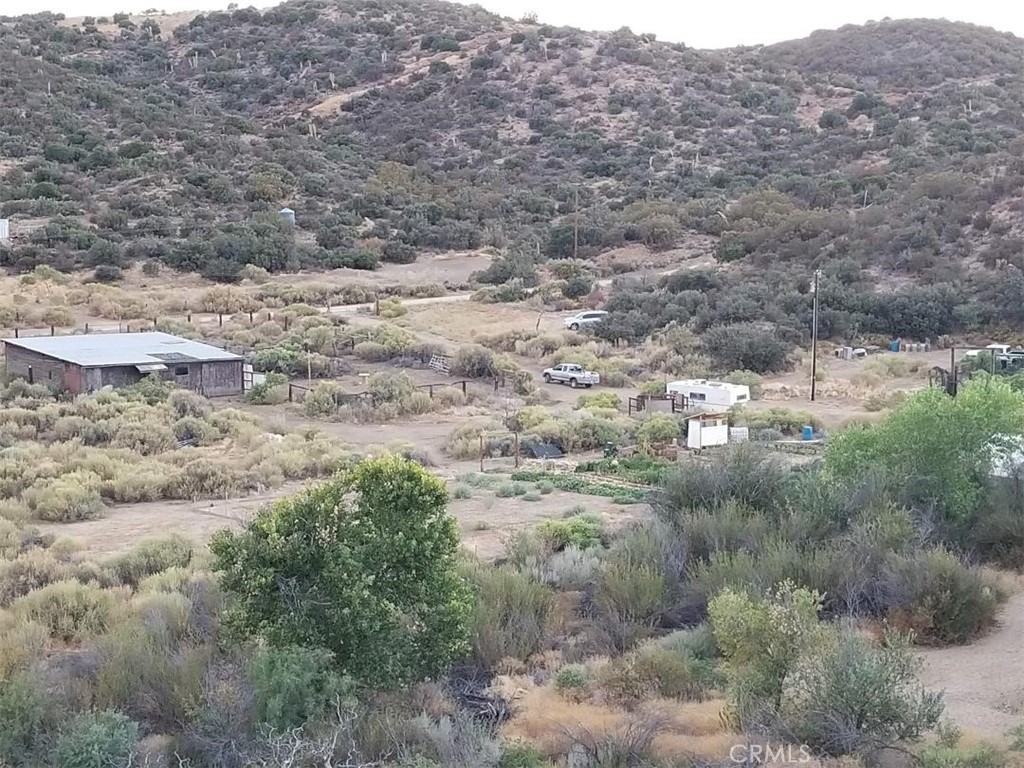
103,350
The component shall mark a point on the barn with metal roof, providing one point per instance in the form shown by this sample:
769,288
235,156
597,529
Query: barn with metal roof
85,363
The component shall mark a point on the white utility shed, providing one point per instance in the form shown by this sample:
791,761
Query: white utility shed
701,392
704,430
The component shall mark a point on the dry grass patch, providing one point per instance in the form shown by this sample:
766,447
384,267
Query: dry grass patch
553,723
468,321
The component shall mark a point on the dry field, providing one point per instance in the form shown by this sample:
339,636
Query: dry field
845,393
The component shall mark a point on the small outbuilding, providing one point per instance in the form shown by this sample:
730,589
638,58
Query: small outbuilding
705,430
86,363
701,393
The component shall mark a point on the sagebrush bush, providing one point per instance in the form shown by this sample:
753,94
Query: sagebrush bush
73,496
933,594
654,670
71,611
570,569
572,681
227,300
62,317
745,474
28,571
147,672
151,557
21,642
203,478
580,531
600,400
145,439
294,685
473,362
195,431
783,420
26,714
510,616
852,696
103,739
149,482
184,403
628,599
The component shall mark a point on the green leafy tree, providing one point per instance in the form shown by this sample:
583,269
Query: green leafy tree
939,448
363,566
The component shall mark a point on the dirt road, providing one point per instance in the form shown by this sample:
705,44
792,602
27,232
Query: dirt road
984,681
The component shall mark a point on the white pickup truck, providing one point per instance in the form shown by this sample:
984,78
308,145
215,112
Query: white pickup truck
995,349
572,374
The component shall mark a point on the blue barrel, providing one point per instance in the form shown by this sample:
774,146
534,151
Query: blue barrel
894,345
808,433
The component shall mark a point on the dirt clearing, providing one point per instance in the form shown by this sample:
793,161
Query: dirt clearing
485,520
983,681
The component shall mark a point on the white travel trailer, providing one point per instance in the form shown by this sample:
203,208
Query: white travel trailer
701,393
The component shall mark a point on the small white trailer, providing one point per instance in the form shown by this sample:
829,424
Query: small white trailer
700,393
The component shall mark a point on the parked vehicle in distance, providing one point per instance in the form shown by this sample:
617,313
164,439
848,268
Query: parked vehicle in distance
572,374
590,317
995,349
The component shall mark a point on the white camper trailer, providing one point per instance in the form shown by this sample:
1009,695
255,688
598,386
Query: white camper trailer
701,393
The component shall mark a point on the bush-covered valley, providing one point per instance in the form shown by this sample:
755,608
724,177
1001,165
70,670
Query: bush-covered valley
343,623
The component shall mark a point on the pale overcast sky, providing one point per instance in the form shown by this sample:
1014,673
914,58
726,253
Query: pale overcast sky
700,24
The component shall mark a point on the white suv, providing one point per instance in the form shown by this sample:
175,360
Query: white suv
591,317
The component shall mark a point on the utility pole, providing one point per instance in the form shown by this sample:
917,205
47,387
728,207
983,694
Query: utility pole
576,221
814,336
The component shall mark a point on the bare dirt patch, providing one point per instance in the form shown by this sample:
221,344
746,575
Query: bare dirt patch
983,681
486,521
125,525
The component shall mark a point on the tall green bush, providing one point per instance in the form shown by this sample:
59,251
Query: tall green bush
363,566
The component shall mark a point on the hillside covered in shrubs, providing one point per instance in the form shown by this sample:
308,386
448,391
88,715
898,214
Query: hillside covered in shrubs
889,154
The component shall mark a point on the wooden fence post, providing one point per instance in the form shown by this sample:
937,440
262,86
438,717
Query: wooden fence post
53,331
220,319
463,386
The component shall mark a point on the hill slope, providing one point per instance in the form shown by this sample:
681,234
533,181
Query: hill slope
887,154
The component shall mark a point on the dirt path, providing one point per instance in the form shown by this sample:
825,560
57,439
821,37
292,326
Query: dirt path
984,681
